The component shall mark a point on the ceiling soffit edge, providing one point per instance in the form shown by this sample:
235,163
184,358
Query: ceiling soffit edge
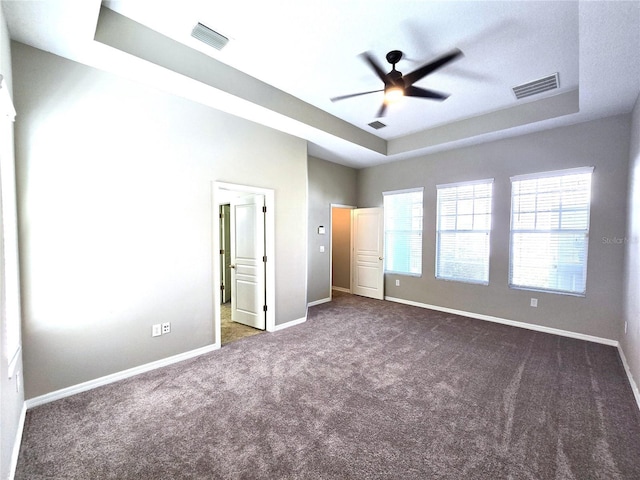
128,36
547,108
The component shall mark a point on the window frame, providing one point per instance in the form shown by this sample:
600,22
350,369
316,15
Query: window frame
463,231
559,232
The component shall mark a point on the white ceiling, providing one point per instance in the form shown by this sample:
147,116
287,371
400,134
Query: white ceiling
310,50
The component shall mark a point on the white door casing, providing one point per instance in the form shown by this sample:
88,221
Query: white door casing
248,261
368,251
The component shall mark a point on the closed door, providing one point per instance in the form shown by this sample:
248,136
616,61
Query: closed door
248,261
368,250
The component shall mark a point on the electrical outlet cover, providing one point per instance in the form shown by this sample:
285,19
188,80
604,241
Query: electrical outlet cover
156,330
166,327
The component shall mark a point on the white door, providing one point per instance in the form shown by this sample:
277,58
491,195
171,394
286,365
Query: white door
368,250
248,261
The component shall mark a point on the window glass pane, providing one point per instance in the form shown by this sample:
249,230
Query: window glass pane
465,207
526,203
547,220
575,220
482,205
448,207
548,201
549,245
448,223
524,221
482,222
465,222
463,237
548,184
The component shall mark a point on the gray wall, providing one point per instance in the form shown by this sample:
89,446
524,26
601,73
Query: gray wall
631,341
11,392
115,183
328,183
602,143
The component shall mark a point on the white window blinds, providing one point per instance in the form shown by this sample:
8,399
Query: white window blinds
403,231
550,231
464,231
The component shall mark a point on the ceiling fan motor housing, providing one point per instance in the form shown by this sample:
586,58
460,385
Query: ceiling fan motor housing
397,85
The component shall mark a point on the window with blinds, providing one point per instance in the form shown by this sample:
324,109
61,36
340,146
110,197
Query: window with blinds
464,231
403,232
550,231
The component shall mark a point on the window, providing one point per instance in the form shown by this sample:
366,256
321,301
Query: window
464,231
550,231
403,231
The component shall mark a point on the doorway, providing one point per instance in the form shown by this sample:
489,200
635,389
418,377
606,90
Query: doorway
230,330
255,283
340,271
362,229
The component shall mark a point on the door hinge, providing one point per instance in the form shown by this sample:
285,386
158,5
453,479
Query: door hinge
264,259
264,209
222,286
222,251
264,308
221,215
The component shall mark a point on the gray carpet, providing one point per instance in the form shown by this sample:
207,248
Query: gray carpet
364,389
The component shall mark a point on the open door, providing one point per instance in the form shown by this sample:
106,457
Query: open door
368,251
225,254
248,261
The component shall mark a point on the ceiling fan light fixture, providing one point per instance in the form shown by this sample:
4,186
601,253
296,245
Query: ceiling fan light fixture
393,94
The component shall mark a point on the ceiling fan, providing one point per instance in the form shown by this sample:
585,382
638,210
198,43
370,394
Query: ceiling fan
397,85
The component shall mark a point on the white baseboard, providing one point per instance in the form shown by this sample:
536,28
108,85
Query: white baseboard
17,442
114,377
513,323
632,382
341,289
292,323
319,302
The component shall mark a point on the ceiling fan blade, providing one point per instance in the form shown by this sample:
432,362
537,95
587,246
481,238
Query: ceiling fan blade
382,111
423,71
412,91
343,97
382,75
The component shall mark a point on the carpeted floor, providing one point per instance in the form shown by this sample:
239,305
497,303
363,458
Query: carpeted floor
231,331
364,389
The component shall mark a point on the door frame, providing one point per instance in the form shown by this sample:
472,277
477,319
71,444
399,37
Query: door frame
218,199
346,207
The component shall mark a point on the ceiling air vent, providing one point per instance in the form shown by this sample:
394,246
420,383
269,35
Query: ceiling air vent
544,84
208,36
377,125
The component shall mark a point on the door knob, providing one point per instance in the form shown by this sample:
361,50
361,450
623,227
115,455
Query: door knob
232,266
379,258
